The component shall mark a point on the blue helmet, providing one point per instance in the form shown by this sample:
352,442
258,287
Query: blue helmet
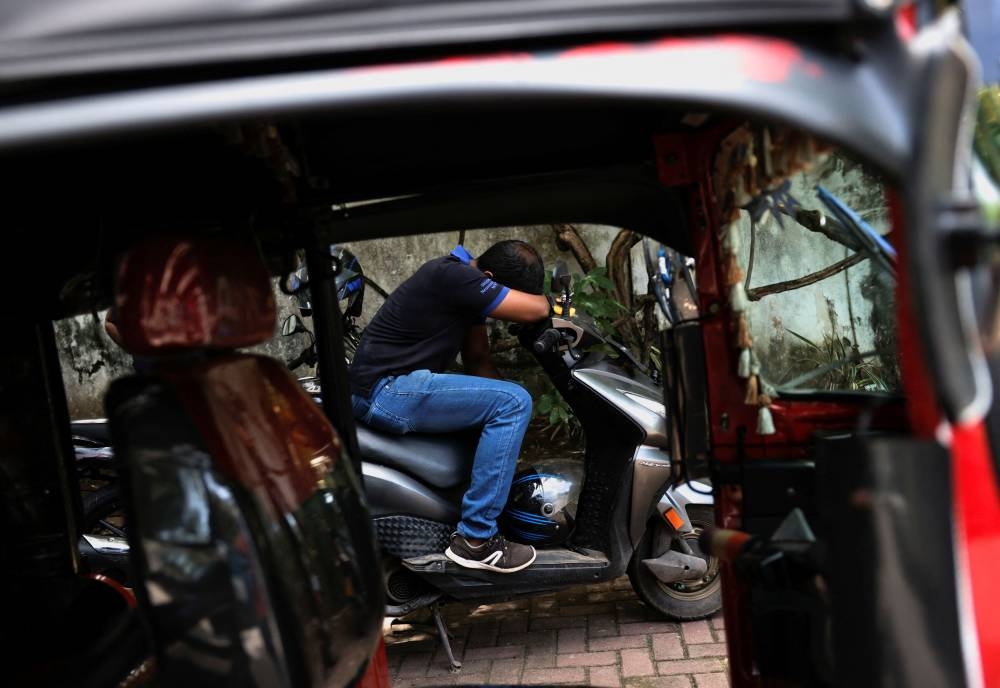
541,507
349,282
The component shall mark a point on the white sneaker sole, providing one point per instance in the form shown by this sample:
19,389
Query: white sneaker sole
473,564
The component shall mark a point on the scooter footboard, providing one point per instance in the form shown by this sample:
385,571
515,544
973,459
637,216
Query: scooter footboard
409,536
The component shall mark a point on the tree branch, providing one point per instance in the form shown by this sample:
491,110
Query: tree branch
620,274
816,221
567,239
617,262
758,293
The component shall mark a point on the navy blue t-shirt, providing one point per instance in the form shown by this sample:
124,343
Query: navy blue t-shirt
423,323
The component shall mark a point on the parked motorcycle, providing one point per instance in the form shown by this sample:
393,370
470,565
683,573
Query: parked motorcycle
622,510
103,547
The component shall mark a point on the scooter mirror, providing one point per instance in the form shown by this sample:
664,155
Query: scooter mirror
561,279
292,325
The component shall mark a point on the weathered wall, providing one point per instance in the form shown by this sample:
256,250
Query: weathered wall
90,360
850,305
389,262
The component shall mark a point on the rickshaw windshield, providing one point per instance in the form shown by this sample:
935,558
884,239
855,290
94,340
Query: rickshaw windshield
818,272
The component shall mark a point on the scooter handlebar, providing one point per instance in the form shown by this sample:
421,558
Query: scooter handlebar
547,340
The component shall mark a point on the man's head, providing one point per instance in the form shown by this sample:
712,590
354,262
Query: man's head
514,264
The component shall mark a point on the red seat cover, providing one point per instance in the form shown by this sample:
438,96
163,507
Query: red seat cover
259,425
176,294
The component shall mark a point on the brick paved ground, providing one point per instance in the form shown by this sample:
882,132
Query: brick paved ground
597,635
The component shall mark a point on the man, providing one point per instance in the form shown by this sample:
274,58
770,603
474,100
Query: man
398,382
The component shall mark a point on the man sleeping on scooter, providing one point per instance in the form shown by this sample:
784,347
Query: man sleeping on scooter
398,384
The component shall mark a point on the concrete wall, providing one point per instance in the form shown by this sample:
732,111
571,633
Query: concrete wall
90,360
389,262
854,305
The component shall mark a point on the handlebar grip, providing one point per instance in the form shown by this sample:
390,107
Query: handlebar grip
548,339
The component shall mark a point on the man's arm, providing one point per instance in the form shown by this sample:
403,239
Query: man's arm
476,354
521,307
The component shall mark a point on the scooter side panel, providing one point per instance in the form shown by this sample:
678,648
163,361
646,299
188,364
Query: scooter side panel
642,404
649,480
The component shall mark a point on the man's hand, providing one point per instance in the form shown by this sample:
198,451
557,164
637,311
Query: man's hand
476,354
521,307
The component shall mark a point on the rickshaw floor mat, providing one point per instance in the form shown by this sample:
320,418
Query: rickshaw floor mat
410,536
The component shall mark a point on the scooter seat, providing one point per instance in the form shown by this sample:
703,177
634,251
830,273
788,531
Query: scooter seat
442,461
94,430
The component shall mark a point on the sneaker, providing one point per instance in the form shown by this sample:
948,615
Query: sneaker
496,554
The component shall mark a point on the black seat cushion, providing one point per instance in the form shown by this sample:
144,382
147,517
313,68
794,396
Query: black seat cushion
442,461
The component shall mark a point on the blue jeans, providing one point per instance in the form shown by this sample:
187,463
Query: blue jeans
423,401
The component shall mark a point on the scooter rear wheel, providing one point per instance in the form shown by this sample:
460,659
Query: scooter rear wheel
684,600
102,512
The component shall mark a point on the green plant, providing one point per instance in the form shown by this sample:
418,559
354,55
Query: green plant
554,409
849,369
656,359
594,294
987,138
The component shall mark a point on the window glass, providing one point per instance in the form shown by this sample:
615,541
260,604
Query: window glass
821,307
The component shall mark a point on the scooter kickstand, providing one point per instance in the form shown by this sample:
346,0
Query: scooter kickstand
456,665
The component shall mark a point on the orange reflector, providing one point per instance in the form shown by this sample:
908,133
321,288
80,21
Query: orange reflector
674,518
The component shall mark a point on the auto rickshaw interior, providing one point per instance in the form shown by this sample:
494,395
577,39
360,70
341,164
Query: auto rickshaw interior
805,463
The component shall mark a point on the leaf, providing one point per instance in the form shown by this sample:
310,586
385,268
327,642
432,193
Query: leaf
603,282
804,339
554,416
598,309
544,404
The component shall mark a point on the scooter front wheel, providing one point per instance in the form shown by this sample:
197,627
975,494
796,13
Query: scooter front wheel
681,600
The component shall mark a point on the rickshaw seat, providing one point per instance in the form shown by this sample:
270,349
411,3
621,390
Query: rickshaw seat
253,546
